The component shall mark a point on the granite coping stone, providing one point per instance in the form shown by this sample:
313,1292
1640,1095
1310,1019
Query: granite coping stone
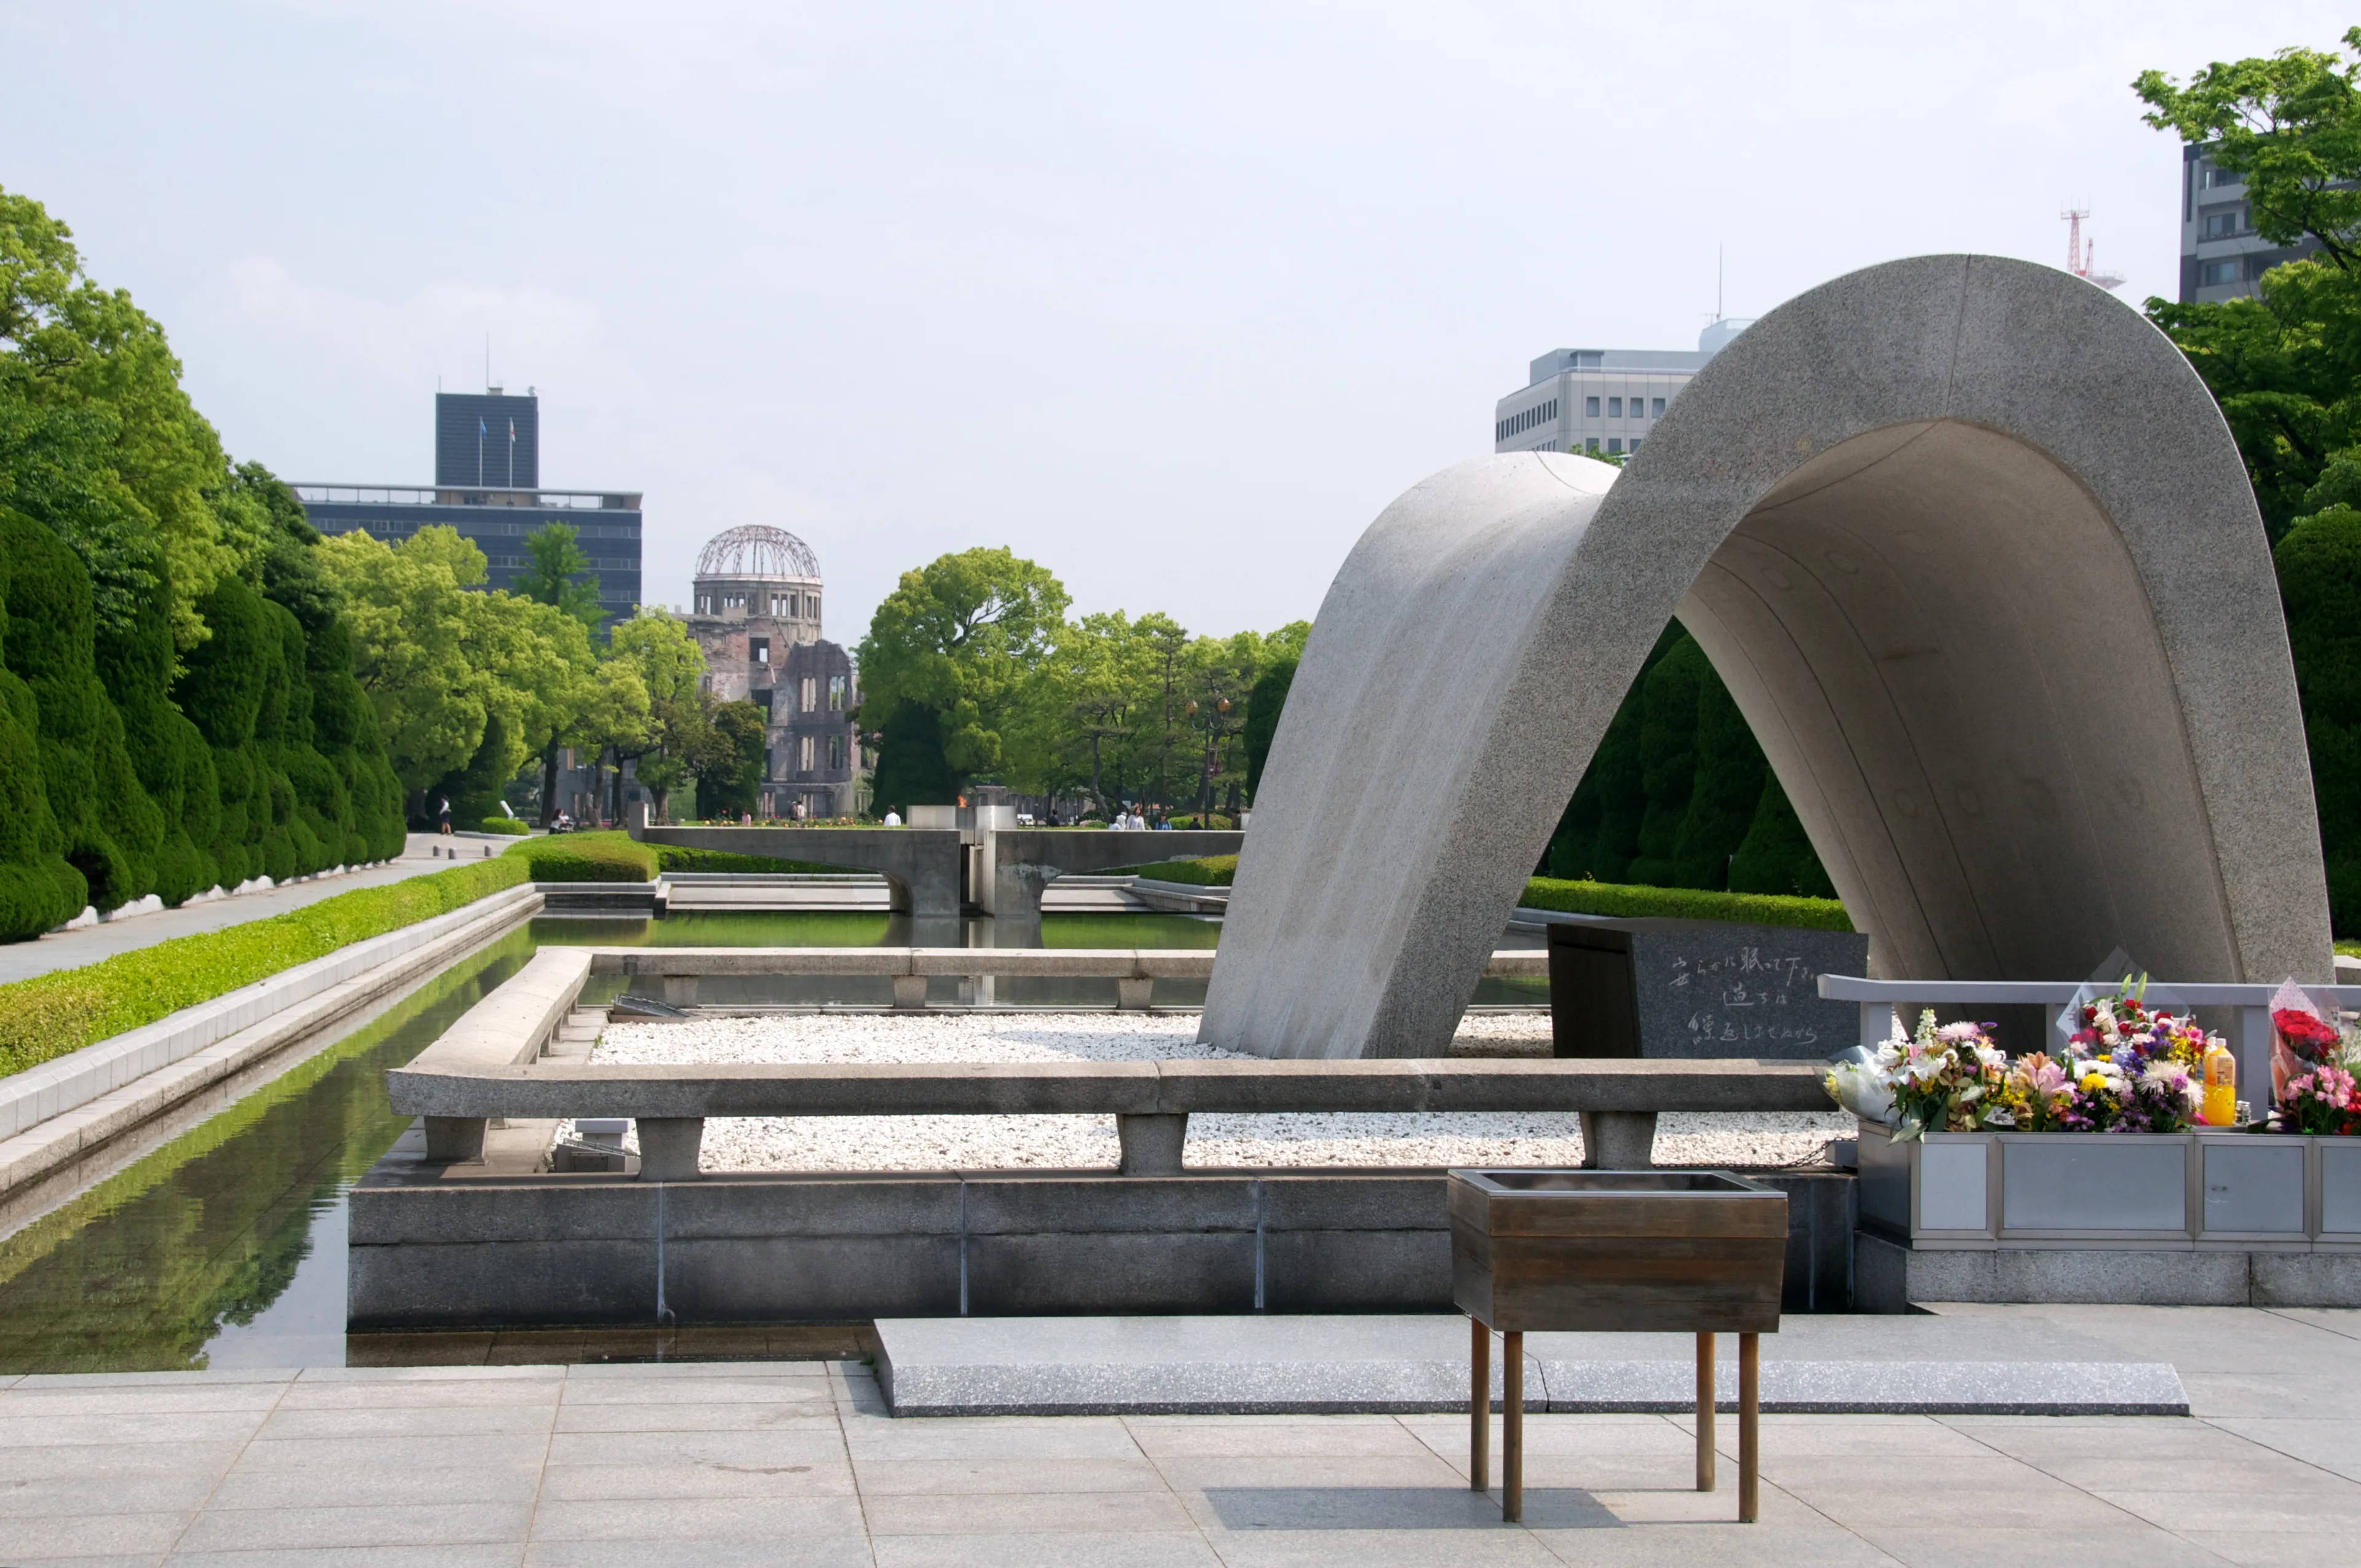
1128,963
1380,1364
473,1087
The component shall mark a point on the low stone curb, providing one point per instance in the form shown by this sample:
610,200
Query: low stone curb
54,1114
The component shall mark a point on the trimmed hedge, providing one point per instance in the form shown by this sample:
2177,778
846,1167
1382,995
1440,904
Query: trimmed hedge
585,857
118,780
508,825
677,858
1206,870
1684,904
1583,897
51,1015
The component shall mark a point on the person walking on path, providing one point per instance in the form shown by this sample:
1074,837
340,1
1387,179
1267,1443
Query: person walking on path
445,828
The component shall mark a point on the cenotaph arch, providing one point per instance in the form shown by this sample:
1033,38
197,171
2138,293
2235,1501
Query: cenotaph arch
1973,551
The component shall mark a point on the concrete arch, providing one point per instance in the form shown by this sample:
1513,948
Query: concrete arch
1975,552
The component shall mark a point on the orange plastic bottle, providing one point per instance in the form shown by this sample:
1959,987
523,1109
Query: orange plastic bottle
2221,1101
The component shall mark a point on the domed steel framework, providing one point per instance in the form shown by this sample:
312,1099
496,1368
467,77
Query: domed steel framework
757,553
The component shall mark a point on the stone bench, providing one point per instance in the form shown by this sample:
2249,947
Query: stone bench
1135,971
1618,1100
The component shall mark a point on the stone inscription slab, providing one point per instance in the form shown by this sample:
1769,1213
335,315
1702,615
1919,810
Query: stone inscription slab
1710,989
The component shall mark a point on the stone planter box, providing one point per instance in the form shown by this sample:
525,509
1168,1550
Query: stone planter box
2146,1191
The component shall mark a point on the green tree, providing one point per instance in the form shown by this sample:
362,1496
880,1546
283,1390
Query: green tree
183,656
97,439
2291,123
614,721
408,609
1264,705
728,767
556,572
1166,644
1678,792
2319,582
1726,792
910,768
670,667
962,639
466,685
1668,758
2286,367
1091,691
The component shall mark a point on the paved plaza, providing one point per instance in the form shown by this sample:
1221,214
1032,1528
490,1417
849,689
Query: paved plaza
796,1462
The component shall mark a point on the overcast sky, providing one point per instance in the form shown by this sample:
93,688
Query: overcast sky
1172,300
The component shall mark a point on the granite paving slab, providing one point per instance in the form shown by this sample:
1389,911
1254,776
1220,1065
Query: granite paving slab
838,1479
1924,1365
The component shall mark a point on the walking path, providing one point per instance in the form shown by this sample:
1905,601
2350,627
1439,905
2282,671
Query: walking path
72,950
769,1462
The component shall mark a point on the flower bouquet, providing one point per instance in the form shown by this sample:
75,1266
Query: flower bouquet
1944,1079
2127,1067
2313,1068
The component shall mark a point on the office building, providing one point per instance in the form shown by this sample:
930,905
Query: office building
488,440
1602,401
499,436
2221,254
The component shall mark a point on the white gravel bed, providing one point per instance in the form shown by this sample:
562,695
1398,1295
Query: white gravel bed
986,1143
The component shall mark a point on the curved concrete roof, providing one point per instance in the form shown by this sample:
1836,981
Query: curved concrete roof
1972,548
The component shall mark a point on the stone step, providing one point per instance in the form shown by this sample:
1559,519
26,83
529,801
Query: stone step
1920,1365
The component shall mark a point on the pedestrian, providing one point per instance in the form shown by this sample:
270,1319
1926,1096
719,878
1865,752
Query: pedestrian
445,828
893,817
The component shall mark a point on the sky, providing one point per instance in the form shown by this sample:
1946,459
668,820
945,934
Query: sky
1172,299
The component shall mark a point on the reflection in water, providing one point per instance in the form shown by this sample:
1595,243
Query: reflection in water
198,1243
225,1246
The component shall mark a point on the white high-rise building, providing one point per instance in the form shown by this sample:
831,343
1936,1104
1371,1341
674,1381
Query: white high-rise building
1600,399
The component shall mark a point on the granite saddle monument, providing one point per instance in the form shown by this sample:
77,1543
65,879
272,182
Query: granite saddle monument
1975,552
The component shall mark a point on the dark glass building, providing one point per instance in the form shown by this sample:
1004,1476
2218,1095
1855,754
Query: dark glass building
489,440
497,516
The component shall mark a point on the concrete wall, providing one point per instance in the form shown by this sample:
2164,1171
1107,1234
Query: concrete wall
926,866
431,1249
1975,552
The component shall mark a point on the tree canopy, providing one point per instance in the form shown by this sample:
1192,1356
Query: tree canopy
961,638
2286,367
178,707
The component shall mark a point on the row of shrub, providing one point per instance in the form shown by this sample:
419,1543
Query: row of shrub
680,857
585,857
120,778
1583,897
1206,871
619,857
1684,904
53,1013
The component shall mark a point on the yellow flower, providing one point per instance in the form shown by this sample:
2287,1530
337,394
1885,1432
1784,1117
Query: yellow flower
2092,1083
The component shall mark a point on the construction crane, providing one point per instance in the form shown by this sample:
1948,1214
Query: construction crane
2079,251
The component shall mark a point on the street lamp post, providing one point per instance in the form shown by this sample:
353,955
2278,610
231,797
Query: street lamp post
1212,725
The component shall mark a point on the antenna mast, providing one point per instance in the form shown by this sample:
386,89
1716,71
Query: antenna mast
2079,251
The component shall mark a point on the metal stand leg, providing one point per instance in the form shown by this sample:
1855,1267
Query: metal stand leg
1512,1426
1479,1409
1705,1477
1750,1451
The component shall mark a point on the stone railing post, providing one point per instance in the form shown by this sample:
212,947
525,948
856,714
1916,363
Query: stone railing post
668,1146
